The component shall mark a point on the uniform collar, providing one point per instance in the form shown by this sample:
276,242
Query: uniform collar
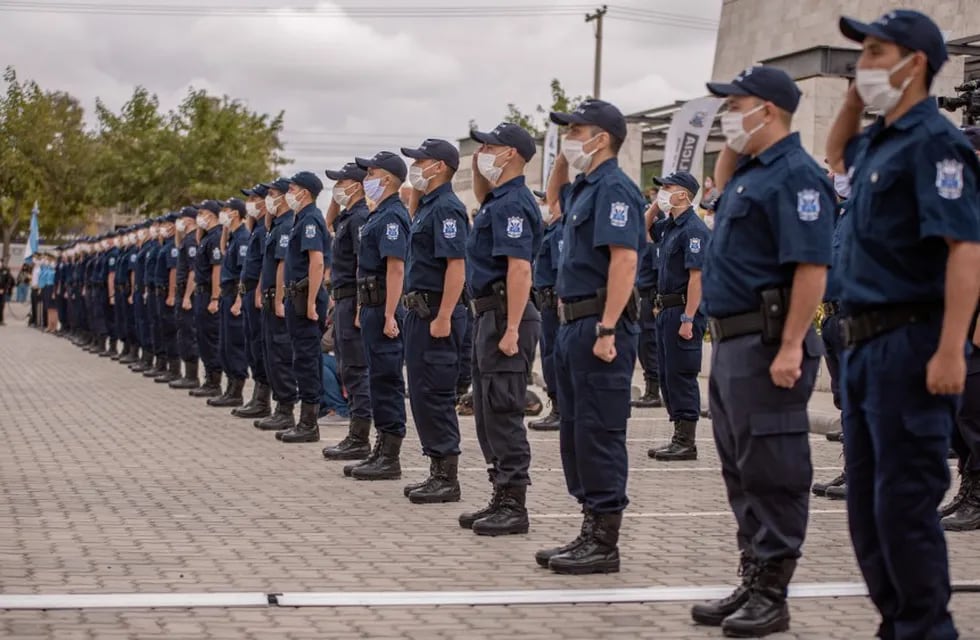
781,148
282,219
682,219
510,185
387,202
305,210
360,205
215,230
922,110
435,193
604,169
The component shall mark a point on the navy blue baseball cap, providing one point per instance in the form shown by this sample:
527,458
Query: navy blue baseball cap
237,204
188,212
386,160
170,217
210,205
259,190
309,181
279,184
681,179
904,27
767,83
434,149
973,135
508,134
598,113
349,171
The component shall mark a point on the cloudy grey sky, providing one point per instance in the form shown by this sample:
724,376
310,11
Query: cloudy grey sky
355,77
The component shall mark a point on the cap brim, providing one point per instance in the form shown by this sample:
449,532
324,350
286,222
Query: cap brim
661,181
857,31
416,154
566,119
247,192
485,138
725,89
364,163
334,175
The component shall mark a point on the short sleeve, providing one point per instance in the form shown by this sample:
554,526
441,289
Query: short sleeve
281,240
311,237
618,220
513,231
449,232
695,242
393,239
173,253
802,217
946,187
214,254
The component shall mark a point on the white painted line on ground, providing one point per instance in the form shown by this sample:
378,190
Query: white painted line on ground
132,600
672,514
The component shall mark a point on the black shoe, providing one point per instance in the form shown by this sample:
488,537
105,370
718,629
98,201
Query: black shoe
232,397
113,352
953,505
281,420
706,413
258,406
108,348
820,488
155,366
766,610
544,555
130,355
408,488
714,612
467,518
211,387
189,381
442,485
355,446
143,364
387,465
510,516
551,422
651,399
837,493
373,455
967,515
835,436
598,553
532,404
171,374
306,430
464,406
681,446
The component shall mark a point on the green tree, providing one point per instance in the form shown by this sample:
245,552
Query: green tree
536,124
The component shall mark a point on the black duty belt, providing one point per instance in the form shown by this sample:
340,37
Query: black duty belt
572,311
247,285
203,288
830,309
229,289
162,289
648,294
871,323
371,292
479,306
669,300
546,298
342,293
734,326
297,288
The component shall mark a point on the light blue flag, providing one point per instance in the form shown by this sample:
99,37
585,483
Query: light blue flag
34,237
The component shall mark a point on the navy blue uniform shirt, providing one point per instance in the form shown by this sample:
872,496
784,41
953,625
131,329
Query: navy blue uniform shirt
122,267
603,209
150,263
546,262
112,261
186,257
646,268
252,267
208,255
343,266
383,236
832,292
140,266
167,258
439,232
276,246
681,249
235,252
913,185
508,225
309,233
776,212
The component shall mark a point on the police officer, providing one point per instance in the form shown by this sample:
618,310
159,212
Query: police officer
108,277
130,353
347,213
98,300
184,285
278,350
231,334
910,265
507,233
381,257
165,267
681,241
249,302
436,320
207,296
141,297
152,356
764,275
306,268
646,285
545,276
597,342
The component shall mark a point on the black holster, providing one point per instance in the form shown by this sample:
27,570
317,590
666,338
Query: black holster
775,306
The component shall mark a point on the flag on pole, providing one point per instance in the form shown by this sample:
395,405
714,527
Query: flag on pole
34,237
688,133
550,153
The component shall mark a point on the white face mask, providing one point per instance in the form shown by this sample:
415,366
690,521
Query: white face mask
842,185
141,234
224,219
251,210
419,182
663,201
270,204
373,189
574,152
485,164
182,225
154,232
733,127
340,197
201,220
291,201
876,90
165,232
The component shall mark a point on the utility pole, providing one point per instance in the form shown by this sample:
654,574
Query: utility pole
597,16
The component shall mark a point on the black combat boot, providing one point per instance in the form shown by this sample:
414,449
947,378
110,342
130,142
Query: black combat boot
211,387
713,612
372,456
837,493
651,399
820,488
766,610
544,555
143,364
967,515
409,488
466,519
953,505
306,430
158,366
108,349
552,421
100,346
189,381
113,353
356,446
232,396
599,553
681,446
259,406
281,420
130,354
442,485
509,517
171,374
387,466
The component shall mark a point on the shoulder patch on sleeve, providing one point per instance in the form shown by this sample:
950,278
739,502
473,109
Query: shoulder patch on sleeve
449,228
949,179
392,231
242,250
515,227
694,244
808,205
216,253
310,231
174,252
619,214
284,240
192,252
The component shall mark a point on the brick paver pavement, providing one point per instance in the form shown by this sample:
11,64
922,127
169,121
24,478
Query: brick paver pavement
111,484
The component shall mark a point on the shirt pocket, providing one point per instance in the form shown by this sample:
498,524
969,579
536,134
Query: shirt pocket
887,208
732,223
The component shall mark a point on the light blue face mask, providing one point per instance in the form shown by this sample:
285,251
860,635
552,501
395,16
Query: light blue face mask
373,189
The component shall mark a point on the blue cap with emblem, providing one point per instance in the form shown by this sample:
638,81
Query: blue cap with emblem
237,205
349,171
259,190
309,181
210,205
904,27
767,83
507,134
279,184
188,212
681,179
599,113
434,149
386,160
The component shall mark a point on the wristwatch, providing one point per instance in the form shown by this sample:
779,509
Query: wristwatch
686,318
603,332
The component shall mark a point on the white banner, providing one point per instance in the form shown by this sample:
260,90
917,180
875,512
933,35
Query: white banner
550,154
688,133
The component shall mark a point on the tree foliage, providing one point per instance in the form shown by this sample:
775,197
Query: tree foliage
535,123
